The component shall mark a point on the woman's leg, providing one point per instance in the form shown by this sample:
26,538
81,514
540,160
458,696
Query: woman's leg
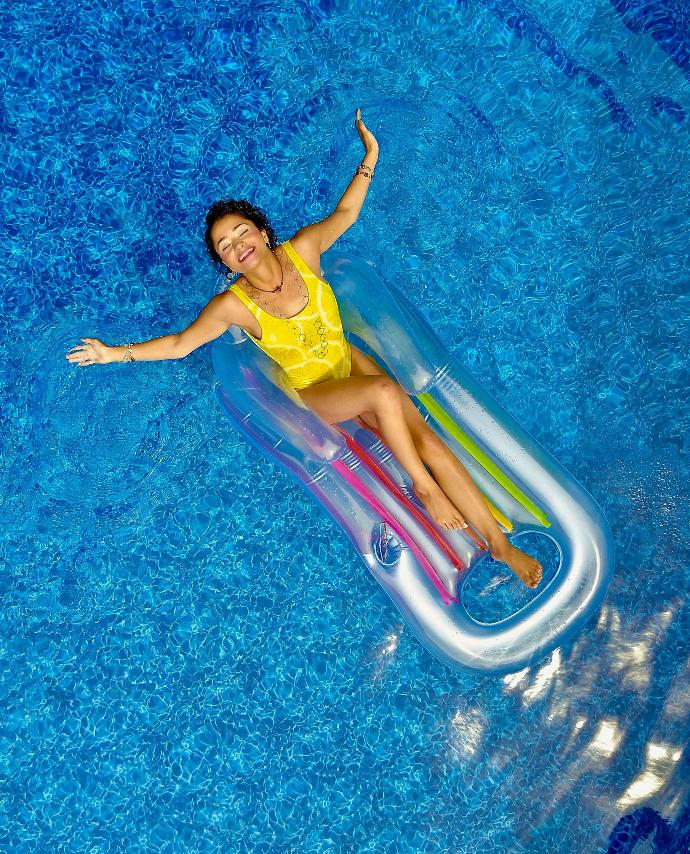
454,480
340,400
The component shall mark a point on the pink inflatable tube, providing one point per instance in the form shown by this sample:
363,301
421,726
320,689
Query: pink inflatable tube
354,476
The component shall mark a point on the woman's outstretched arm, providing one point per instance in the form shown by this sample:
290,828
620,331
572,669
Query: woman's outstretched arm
213,321
322,235
93,351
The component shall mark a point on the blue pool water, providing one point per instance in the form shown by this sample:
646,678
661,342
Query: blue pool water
193,656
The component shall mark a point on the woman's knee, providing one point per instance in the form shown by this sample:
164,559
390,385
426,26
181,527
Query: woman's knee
385,393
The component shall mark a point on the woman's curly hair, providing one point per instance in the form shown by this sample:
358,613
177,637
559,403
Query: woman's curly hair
243,208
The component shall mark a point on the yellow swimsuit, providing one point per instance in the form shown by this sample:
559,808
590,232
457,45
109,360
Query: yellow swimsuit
310,346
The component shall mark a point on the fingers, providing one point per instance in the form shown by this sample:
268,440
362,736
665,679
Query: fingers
79,355
80,359
76,353
365,134
82,347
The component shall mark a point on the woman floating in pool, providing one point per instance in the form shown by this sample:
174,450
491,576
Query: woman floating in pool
292,314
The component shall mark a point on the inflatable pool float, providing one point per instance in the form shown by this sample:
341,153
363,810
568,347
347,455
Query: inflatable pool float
355,477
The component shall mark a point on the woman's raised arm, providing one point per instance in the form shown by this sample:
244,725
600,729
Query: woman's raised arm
322,235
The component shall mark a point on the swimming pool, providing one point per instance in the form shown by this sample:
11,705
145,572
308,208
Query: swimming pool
193,657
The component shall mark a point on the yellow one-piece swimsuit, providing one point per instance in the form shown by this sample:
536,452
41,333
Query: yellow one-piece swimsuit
310,346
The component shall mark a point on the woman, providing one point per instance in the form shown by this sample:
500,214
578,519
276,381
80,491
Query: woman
292,314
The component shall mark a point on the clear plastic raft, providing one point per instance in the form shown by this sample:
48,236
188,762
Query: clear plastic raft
352,473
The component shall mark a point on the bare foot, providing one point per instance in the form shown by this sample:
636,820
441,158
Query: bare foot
525,567
439,506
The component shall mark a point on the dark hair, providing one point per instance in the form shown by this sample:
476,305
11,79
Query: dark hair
236,206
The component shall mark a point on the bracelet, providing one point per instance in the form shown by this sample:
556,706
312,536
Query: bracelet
128,357
367,171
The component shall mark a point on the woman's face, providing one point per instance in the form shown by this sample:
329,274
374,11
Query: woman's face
239,242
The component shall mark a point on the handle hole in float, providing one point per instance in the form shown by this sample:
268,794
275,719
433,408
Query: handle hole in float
492,591
385,545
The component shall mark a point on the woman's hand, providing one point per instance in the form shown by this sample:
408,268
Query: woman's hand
91,352
365,134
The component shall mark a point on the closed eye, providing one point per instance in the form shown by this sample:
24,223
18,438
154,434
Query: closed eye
228,245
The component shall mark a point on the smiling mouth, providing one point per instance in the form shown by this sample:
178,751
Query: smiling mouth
246,255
